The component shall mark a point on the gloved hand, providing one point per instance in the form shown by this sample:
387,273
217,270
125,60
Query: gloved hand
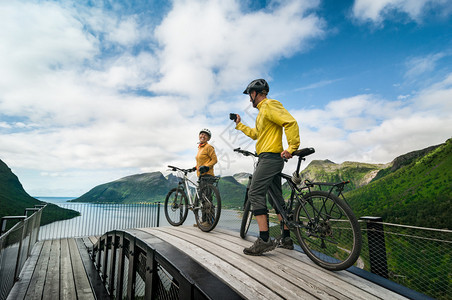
193,169
203,169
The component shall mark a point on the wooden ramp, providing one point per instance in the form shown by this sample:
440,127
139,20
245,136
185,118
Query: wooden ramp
280,274
59,269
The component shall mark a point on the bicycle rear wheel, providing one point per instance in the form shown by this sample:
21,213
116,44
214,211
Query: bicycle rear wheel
176,207
329,233
246,219
208,207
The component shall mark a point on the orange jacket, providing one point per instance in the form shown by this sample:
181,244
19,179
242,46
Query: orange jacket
206,157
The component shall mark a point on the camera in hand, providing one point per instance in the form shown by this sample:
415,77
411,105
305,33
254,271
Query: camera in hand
232,116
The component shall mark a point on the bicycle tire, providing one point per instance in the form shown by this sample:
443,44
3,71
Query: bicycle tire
176,207
207,210
332,238
246,219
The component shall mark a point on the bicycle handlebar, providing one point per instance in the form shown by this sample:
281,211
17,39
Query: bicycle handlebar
173,168
244,152
301,153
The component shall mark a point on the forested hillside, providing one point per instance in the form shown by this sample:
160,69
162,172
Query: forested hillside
232,192
14,199
359,174
147,187
418,192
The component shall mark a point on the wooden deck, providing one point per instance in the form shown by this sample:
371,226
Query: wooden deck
56,269
61,269
280,274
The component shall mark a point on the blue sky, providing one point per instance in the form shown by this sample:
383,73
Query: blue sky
92,91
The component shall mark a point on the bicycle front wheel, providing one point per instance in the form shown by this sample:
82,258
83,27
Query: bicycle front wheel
328,231
207,207
246,219
176,207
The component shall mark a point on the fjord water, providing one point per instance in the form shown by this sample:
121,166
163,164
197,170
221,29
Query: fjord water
96,219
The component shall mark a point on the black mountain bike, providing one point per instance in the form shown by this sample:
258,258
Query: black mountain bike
202,197
324,224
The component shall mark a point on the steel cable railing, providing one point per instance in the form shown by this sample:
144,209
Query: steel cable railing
96,219
16,245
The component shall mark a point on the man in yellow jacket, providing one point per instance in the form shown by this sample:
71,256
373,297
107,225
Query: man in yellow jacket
270,121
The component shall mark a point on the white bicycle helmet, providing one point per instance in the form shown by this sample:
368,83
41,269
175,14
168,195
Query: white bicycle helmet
206,131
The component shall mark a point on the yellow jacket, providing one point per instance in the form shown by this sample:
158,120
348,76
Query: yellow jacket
206,157
271,119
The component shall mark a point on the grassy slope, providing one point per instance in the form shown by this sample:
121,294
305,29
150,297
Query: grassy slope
14,199
419,193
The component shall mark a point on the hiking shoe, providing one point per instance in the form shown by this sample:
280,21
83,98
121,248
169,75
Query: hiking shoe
286,243
203,224
260,247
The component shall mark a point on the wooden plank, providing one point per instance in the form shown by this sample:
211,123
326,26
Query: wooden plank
93,276
67,284
289,265
322,278
52,282
93,239
19,289
342,280
36,286
82,285
283,274
231,268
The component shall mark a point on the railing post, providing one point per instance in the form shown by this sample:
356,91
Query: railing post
17,270
151,274
41,207
377,246
158,214
113,263
30,242
132,269
119,280
105,260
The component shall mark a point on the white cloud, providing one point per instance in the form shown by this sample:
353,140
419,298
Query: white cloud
218,45
377,10
420,65
370,129
85,89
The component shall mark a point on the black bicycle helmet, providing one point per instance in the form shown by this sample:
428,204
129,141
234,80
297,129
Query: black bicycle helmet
257,85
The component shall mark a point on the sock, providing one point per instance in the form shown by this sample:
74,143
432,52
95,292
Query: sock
286,233
264,235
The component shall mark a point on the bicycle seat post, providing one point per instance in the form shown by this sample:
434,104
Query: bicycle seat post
299,164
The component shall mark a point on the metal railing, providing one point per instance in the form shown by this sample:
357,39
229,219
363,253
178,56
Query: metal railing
16,245
130,268
96,219
417,259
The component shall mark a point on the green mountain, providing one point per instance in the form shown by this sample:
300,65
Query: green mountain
153,187
359,174
147,187
242,178
14,199
417,191
232,192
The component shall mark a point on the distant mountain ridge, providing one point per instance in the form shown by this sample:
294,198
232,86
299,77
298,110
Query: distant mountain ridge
358,173
153,187
146,187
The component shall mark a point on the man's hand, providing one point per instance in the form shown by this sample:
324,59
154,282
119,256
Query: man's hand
286,154
237,120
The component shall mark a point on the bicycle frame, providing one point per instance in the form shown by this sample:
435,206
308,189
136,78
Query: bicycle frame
184,182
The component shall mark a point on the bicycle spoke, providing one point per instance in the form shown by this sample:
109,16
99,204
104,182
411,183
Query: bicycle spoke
330,232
